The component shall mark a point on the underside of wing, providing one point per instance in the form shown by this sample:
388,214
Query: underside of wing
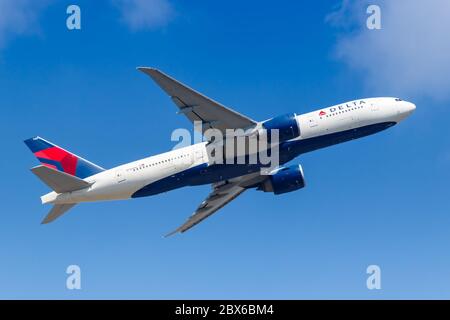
222,193
198,107
216,200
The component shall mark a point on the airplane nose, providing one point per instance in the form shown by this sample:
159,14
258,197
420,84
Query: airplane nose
410,107
404,110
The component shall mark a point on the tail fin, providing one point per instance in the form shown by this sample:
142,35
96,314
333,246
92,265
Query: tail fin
57,211
52,156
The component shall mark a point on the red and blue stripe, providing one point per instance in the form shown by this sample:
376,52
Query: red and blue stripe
57,158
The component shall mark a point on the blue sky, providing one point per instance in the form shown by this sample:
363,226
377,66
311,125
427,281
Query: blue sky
380,200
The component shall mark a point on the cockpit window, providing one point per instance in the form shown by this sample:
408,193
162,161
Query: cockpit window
398,99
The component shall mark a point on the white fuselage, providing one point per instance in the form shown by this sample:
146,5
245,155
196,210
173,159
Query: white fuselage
123,181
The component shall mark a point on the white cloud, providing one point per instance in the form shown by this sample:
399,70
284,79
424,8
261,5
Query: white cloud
145,14
409,56
19,17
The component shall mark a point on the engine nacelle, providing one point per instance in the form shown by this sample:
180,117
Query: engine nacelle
286,124
286,179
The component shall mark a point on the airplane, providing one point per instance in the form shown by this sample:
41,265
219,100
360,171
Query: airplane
75,180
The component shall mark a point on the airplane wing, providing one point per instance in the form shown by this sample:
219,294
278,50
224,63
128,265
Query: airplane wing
221,194
198,107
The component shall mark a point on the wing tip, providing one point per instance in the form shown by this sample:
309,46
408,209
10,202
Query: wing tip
172,233
148,70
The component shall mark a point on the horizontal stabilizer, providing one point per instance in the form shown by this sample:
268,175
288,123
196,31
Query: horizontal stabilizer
59,181
57,211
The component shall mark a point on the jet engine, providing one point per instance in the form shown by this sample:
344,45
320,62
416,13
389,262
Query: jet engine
287,126
284,180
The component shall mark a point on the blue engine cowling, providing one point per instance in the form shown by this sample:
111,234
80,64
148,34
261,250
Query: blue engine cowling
286,124
286,179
